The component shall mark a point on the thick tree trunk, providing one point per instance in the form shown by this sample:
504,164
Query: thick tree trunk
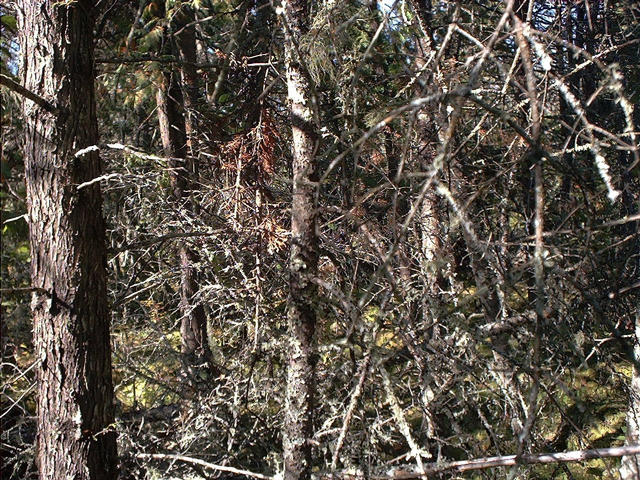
67,234
303,263
193,327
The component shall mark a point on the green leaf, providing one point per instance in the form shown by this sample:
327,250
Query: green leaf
9,22
5,170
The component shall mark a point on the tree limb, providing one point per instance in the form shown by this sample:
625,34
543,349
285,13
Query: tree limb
20,90
197,461
509,460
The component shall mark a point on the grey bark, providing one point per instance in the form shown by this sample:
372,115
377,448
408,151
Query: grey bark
630,465
303,262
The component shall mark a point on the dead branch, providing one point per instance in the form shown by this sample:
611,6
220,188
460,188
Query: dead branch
202,463
510,460
28,94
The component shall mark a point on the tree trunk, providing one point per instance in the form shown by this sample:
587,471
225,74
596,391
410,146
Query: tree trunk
630,466
67,234
303,262
177,115
186,45
193,326
430,218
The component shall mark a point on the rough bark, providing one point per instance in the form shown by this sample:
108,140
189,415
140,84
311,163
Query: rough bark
430,220
426,307
193,326
186,45
177,114
68,254
630,465
303,263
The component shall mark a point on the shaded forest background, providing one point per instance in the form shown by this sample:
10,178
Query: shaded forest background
474,259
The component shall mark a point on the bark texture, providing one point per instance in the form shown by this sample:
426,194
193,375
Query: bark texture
185,36
193,327
67,234
630,465
303,262
430,220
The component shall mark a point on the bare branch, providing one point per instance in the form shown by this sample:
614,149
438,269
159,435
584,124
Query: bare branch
509,460
28,94
202,463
